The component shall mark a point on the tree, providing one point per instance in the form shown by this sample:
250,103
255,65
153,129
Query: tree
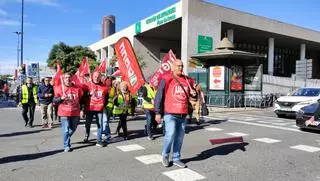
70,57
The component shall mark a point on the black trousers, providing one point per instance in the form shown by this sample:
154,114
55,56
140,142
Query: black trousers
55,112
31,108
123,124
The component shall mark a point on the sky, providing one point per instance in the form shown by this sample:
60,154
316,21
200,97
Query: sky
78,22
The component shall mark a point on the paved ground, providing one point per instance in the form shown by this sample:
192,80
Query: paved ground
273,149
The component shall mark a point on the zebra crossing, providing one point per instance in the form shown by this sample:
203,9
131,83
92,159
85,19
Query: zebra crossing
256,119
190,174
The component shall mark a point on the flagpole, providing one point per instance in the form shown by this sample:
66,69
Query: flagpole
62,84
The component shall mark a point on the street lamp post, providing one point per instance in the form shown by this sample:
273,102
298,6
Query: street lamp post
18,47
22,12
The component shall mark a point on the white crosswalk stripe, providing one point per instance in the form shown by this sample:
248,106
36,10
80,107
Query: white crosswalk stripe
267,140
184,174
237,134
133,147
250,119
213,129
306,148
282,124
93,128
266,122
150,159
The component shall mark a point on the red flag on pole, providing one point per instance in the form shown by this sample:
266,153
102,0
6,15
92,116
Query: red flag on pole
102,68
56,78
84,69
128,64
164,69
116,73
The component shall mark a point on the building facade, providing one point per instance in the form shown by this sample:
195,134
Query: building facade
190,27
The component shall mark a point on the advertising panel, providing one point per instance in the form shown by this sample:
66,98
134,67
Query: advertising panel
236,78
216,79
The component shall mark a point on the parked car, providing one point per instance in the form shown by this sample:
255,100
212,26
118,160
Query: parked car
291,104
305,113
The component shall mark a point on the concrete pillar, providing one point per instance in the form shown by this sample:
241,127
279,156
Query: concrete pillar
98,55
184,34
302,51
110,53
230,35
103,54
271,56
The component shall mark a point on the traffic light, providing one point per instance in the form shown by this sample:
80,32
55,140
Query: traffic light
23,69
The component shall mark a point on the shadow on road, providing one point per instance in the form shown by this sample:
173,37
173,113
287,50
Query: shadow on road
134,134
22,133
220,150
26,157
194,127
33,156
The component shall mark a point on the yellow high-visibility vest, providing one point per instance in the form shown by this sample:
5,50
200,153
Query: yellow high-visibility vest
111,96
25,94
121,109
151,93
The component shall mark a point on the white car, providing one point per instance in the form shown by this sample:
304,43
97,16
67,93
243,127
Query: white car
291,104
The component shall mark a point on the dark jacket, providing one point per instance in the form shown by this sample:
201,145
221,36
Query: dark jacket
42,90
159,99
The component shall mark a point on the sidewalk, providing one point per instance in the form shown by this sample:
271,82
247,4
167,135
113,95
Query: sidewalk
240,109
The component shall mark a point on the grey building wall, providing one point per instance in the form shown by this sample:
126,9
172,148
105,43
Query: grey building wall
197,19
204,18
149,49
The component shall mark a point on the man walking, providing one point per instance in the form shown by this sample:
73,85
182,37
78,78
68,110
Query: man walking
28,99
45,94
172,100
149,94
95,108
67,96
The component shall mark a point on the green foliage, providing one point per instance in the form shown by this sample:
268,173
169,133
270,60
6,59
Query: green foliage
5,77
70,57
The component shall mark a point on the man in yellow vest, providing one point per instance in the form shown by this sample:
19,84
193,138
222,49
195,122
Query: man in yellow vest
109,107
149,94
28,99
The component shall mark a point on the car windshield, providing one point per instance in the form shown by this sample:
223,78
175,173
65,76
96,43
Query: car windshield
307,92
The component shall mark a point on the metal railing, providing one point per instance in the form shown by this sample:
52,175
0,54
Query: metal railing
240,100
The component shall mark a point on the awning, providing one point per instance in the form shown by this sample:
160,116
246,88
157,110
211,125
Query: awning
226,53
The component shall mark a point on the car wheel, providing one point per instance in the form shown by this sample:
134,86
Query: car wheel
281,115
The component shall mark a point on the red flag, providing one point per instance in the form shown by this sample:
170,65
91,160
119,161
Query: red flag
84,68
164,69
102,68
56,78
128,64
116,73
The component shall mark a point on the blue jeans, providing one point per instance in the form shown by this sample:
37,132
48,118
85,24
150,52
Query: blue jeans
106,121
150,122
101,120
174,133
69,126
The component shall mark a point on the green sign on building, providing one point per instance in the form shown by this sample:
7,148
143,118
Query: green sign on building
138,27
204,43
